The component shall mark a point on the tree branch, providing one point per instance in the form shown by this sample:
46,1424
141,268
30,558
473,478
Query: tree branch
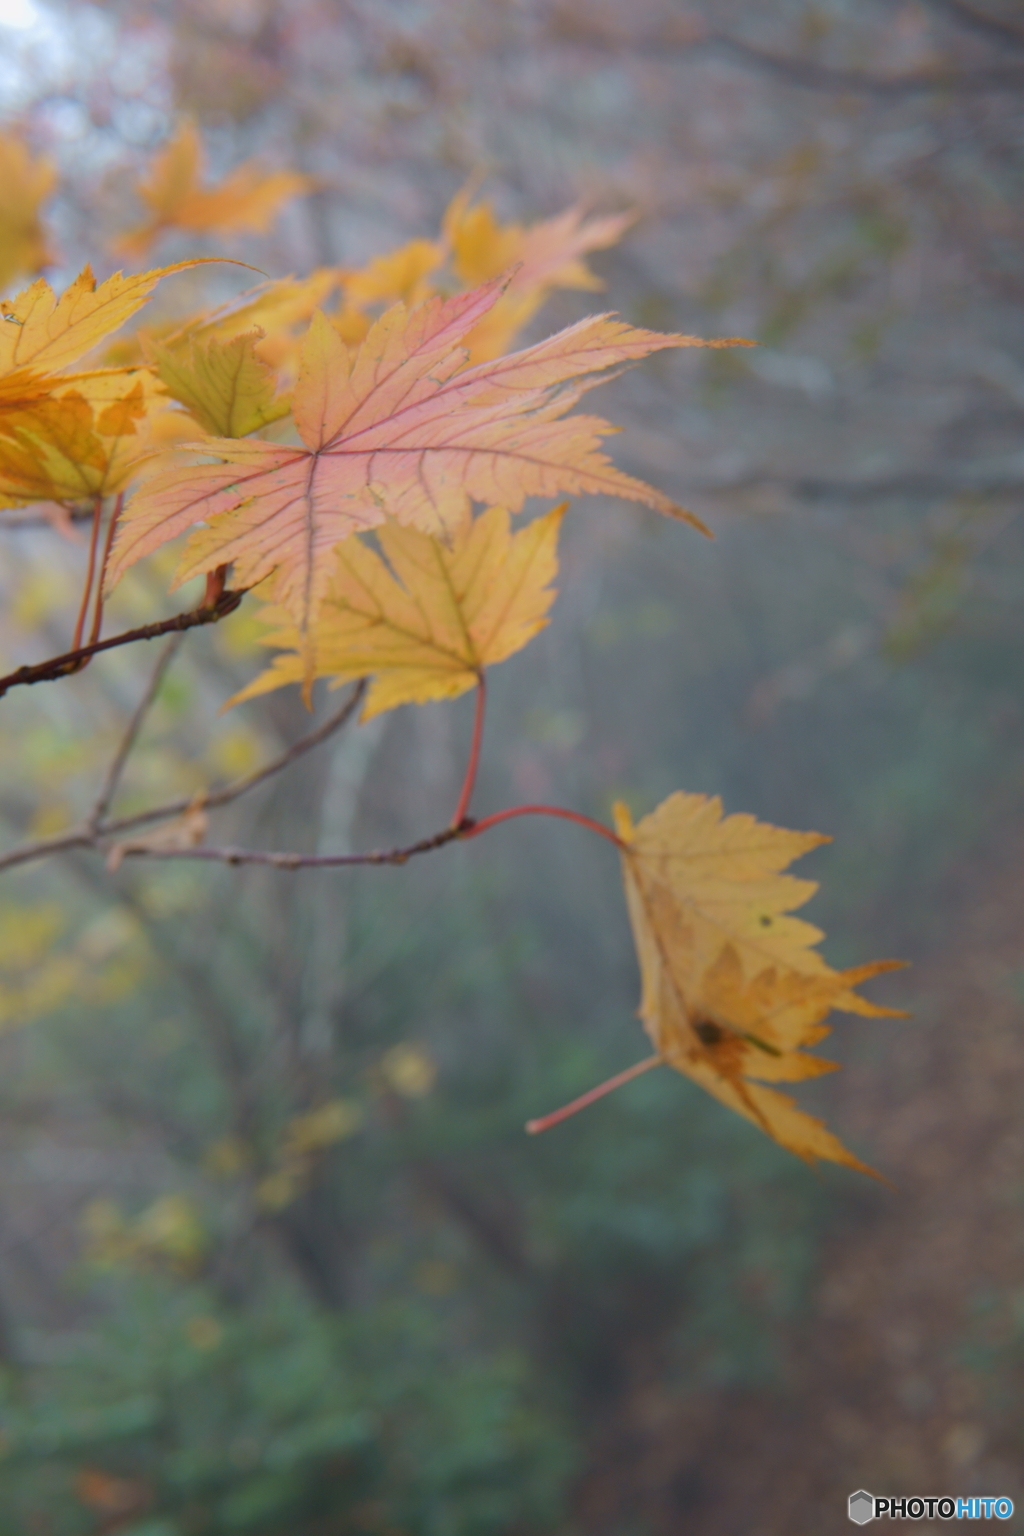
117,764
234,791
89,836
909,482
993,27
804,73
71,661
465,830
236,856
823,77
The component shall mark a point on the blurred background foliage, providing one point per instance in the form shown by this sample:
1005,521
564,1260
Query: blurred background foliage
275,1256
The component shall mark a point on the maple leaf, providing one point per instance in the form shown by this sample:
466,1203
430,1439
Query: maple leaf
44,333
25,183
733,989
248,198
545,256
82,440
275,307
426,628
227,388
399,274
21,391
401,429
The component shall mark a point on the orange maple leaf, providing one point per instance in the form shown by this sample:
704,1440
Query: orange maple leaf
84,439
545,256
248,198
400,429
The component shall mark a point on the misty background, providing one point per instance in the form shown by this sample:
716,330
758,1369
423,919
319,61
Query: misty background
650,1320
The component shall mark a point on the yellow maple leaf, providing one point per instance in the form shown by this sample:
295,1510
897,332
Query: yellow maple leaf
248,198
25,183
426,624
397,275
733,989
275,307
46,334
545,256
227,388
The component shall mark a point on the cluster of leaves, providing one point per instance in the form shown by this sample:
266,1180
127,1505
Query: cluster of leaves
283,429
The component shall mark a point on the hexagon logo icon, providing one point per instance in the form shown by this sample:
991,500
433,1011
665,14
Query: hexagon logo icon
862,1506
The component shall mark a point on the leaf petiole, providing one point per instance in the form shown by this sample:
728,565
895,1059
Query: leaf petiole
534,1127
474,828
462,809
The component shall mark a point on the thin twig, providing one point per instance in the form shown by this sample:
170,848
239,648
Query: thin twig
463,832
823,77
71,661
235,856
86,837
805,73
120,758
909,482
46,847
239,787
993,27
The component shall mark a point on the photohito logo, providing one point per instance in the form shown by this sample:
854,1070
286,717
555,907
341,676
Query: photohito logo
863,1506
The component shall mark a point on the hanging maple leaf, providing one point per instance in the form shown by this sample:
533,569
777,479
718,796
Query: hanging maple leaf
427,627
25,183
545,256
249,198
402,429
732,988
